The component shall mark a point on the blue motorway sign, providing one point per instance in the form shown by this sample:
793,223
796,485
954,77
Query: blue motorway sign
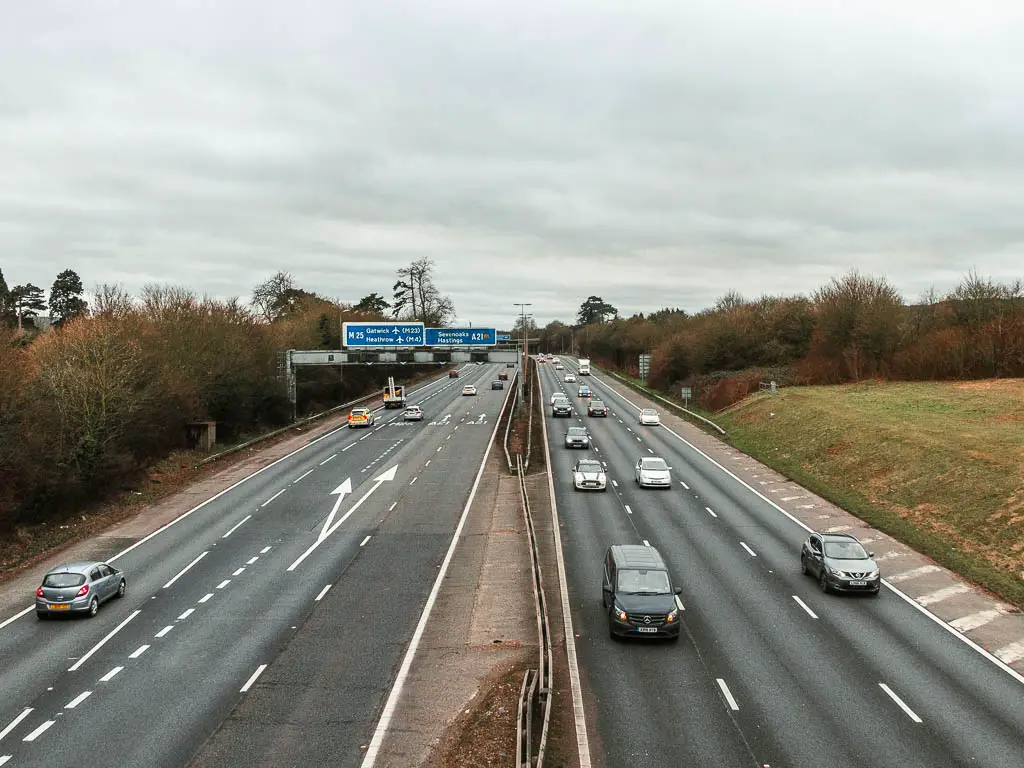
504,337
460,337
382,335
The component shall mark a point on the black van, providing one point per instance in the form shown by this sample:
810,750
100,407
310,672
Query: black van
638,593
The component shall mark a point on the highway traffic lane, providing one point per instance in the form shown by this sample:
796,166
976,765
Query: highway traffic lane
969,706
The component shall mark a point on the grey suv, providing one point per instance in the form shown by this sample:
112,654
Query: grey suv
561,407
840,562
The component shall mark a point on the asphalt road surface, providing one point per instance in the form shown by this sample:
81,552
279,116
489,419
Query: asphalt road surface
265,627
769,671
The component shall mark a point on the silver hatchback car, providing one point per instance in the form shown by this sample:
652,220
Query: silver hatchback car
78,588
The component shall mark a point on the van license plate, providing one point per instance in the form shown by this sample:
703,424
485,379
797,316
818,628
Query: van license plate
60,607
647,629
858,583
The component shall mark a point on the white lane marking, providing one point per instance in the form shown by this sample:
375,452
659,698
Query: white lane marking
239,572
902,705
252,559
413,481
328,459
638,440
364,437
728,695
163,632
396,690
804,605
679,604
78,699
913,573
265,550
39,731
628,429
110,675
650,450
272,498
252,679
684,485
393,505
975,620
347,447
16,721
838,528
300,477
186,614
711,511
615,484
223,583
4,759
236,526
750,552
323,592
941,594
184,570
428,463
103,642
139,651
438,449
647,543
1012,652
363,543
206,597
628,510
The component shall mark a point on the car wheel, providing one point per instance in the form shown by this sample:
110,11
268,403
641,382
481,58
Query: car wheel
803,565
42,615
121,589
94,607
823,582
876,592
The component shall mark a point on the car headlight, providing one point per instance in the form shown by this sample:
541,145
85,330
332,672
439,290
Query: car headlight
833,571
672,615
619,613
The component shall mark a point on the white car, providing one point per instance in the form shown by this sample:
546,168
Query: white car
559,367
569,378
469,389
558,396
649,417
652,472
588,474
413,413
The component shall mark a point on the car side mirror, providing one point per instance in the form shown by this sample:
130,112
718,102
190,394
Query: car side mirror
871,554
678,591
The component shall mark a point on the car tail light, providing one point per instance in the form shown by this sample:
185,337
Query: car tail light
83,591
39,592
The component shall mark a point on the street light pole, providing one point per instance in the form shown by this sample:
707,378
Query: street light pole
526,337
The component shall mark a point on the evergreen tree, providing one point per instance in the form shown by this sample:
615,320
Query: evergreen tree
66,302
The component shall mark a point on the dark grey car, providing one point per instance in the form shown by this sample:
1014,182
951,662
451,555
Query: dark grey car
840,563
561,407
78,588
577,437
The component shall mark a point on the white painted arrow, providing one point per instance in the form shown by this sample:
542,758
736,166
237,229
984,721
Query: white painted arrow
342,491
378,481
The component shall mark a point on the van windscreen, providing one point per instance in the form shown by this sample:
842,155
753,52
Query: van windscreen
641,582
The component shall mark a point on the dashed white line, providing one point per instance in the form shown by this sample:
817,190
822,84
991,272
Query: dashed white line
413,481
251,680
902,705
647,543
206,597
638,440
751,552
39,731
728,695
323,592
363,542
941,594
300,477
347,447
252,560
628,429
236,526
139,651
428,463
272,498
4,759
186,614
239,572
223,583
615,484
628,510
185,570
712,513
393,505
103,642
438,449
328,459
650,450
684,485
364,437
78,699
265,550
804,605
163,632
110,675
16,721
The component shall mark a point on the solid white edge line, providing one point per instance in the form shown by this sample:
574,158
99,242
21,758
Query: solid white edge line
750,552
163,632
103,642
806,607
728,695
899,593
363,542
16,721
110,675
236,526
902,704
579,715
139,651
39,731
380,731
252,679
323,592
185,570
78,699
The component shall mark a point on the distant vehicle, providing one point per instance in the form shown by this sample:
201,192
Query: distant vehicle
361,417
557,396
584,366
841,563
583,391
559,367
652,472
597,408
497,384
510,365
78,588
569,378
649,417
638,593
577,437
469,389
453,374
413,413
561,407
503,376
394,395
589,474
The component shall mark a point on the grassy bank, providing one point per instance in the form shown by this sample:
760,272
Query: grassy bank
938,465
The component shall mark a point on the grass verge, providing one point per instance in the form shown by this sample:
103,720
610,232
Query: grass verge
639,386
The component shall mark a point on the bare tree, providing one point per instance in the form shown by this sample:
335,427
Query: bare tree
112,300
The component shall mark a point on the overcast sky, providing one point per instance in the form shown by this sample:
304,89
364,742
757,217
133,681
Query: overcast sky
652,153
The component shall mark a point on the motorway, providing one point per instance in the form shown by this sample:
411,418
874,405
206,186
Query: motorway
769,671
267,625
